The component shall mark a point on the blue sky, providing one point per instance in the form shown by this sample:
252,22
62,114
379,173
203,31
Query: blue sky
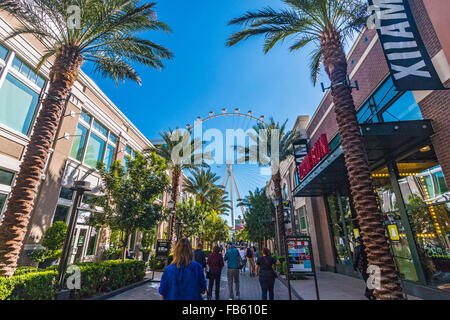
206,76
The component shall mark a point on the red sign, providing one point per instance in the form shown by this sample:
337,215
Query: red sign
317,153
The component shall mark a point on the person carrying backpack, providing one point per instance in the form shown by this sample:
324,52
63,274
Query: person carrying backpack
264,268
250,255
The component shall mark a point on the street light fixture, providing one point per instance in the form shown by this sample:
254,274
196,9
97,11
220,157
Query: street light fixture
80,187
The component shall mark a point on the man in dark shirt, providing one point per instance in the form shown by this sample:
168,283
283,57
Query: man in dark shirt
199,256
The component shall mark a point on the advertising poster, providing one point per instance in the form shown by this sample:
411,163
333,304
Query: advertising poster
299,255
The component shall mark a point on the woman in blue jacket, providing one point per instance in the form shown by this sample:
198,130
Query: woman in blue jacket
184,278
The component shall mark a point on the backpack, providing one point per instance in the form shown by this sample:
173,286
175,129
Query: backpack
249,253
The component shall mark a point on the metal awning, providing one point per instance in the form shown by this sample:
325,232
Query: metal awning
383,141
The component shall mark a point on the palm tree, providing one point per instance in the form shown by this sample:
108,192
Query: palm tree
219,202
202,184
327,24
174,141
267,134
107,38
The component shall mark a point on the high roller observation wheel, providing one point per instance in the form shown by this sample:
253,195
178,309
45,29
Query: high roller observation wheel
229,175
225,113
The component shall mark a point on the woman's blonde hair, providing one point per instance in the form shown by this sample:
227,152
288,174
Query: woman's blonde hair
183,255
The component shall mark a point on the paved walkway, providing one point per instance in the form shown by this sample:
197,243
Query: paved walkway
332,286
249,289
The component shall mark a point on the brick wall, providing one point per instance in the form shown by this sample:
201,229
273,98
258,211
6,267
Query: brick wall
436,106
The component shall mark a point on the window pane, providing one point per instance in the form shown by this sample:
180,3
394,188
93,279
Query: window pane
384,94
112,138
2,201
16,64
78,142
25,70
94,151
6,177
405,108
128,150
40,82
61,213
85,117
66,193
3,52
97,126
109,154
93,236
441,185
14,95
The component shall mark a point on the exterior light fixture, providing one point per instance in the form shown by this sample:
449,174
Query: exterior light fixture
425,149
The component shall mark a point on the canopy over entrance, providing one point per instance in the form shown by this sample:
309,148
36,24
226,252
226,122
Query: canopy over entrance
383,141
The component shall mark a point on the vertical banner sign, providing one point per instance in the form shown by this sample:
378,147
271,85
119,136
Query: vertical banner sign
410,65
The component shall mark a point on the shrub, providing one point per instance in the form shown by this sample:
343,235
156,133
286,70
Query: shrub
54,237
29,286
34,284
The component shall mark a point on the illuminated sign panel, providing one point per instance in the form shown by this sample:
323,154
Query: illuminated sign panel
317,153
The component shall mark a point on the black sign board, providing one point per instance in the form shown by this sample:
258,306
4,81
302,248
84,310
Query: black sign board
299,257
410,65
300,150
162,248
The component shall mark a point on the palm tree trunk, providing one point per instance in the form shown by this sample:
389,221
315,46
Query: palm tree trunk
176,173
280,215
17,215
362,190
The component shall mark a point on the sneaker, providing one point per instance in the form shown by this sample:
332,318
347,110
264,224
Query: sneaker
238,298
230,298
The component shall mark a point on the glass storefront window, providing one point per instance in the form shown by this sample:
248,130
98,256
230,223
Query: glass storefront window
101,129
14,95
61,213
109,155
28,72
3,52
94,150
6,177
92,242
66,193
85,117
78,142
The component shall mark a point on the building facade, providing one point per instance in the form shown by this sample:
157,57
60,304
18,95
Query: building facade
92,129
406,135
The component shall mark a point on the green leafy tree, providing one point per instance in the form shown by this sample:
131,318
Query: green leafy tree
326,25
52,241
191,215
106,37
128,198
214,229
259,212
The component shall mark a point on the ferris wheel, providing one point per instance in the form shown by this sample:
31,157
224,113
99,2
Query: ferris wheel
235,177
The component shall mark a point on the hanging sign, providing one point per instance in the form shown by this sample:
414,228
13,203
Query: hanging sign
393,232
317,153
410,65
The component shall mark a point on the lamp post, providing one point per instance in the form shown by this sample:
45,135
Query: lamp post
80,187
178,229
277,227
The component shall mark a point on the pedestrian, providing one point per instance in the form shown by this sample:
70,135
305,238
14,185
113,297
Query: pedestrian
244,260
360,264
184,278
264,268
199,255
232,257
250,260
215,263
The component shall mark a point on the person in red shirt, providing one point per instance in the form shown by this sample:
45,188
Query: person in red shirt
215,263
